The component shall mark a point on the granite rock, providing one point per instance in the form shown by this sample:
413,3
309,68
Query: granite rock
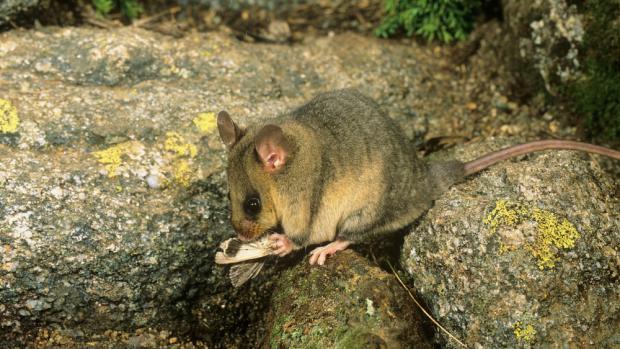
112,185
10,8
523,254
347,303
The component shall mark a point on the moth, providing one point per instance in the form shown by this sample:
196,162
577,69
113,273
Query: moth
247,257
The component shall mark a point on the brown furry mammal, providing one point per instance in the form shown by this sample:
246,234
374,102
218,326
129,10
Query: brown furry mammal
338,169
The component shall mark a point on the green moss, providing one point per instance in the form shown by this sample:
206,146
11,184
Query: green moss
358,338
312,335
596,97
552,232
602,39
324,326
277,331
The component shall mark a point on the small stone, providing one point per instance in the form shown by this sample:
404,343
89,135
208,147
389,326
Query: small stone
141,173
43,67
57,192
501,103
471,106
32,303
370,308
278,31
512,105
154,181
554,126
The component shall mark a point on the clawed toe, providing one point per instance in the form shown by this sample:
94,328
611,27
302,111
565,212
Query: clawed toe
319,255
281,251
281,244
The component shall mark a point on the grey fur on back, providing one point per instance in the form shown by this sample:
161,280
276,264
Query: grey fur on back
352,130
349,171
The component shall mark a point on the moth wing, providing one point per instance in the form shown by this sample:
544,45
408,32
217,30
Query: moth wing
242,272
235,251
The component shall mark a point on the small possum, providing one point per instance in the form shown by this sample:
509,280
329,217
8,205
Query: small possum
338,170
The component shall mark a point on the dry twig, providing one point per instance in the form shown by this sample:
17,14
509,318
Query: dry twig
422,308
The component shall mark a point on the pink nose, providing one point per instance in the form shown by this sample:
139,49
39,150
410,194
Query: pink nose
244,229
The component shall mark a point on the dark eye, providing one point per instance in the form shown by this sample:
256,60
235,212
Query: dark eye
251,206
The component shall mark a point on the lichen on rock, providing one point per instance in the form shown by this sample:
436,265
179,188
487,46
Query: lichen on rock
524,332
181,166
176,144
112,158
9,120
566,51
182,172
93,260
552,233
494,251
347,303
547,36
205,122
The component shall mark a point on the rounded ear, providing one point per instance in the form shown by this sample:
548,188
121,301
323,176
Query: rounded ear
272,147
230,133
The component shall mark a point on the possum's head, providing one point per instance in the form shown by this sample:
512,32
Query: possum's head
256,155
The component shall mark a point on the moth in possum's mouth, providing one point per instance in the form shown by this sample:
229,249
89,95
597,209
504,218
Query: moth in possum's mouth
244,255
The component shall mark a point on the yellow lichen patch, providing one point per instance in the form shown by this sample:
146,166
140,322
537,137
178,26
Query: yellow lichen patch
552,233
525,333
180,156
176,144
112,157
503,248
182,172
9,121
205,122
501,215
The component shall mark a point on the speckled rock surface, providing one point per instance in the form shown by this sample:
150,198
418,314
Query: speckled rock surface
9,8
542,42
524,254
347,303
112,192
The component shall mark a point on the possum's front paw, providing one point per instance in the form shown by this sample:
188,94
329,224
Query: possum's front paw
281,244
320,254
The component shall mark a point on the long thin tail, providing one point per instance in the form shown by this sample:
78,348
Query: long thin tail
525,148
